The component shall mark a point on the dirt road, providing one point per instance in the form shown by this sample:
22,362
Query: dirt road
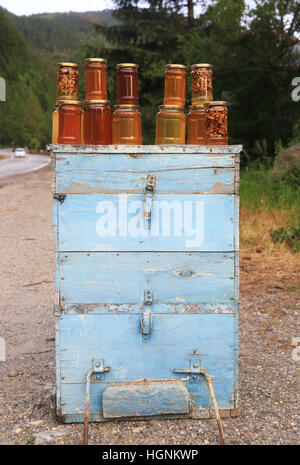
269,295
12,166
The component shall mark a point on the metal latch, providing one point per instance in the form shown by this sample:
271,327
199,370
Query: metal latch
146,319
148,199
194,370
98,370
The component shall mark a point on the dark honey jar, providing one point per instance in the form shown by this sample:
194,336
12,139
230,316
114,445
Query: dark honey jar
201,75
127,77
69,125
67,81
126,125
95,76
196,125
175,79
97,122
216,123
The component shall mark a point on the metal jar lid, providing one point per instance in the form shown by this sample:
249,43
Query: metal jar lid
69,102
216,103
201,65
90,102
71,65
175,66
127,65
96,60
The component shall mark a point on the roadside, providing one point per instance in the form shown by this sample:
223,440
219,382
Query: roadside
12,166
268,314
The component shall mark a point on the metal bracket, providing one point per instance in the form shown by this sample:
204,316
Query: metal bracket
60,197
98,370
148,199
148,297
194,369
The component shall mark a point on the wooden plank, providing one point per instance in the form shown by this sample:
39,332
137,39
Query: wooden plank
78,173
173,342
107,309
141,149
145,398
123,277
178,223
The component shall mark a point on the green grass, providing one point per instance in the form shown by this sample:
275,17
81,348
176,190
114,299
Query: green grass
260,188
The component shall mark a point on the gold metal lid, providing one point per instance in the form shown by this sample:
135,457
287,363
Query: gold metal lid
201,65
127,65
69,102
123,107
100,60
171,107
196,105
90,102
71,65
175,66
215,103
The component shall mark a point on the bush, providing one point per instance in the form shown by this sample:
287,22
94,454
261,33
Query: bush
289,235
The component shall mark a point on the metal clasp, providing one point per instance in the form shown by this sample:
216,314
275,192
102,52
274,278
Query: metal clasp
148,199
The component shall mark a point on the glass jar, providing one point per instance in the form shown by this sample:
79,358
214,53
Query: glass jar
196,125
55,119
95,77
170,125
69,127
67,81
97,122
201,75
127,77
216,123
126,125
175,78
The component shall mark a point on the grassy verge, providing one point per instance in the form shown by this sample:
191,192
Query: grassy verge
267,204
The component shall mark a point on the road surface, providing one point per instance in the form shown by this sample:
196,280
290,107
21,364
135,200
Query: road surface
12,166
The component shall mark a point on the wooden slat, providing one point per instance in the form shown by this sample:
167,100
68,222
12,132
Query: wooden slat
123,277
179,223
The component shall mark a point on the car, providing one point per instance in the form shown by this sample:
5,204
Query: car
20,153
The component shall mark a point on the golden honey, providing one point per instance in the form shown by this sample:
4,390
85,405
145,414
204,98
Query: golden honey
55,120
170,125
175,79
201,75
216,123
126,125
196,125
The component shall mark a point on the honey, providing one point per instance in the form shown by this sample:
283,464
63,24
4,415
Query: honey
126,125
201,75
95,76
67,81
175,80
69,131
97,122
170,125
196,125
127,79
216,123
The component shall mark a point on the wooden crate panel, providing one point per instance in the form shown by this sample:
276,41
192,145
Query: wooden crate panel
178,223
124,173
122,278
174,343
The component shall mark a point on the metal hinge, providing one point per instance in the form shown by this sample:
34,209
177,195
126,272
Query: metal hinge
148,199
99,369
60,197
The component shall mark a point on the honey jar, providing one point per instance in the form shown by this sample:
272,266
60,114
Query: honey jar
67,81
69,126
201,75
196,125
127,78
95,74
216,123
126,125
175,78
97,122
170,125
55,119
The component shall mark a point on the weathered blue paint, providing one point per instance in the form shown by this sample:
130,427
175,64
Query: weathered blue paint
117,223
172,277
101,281
144,398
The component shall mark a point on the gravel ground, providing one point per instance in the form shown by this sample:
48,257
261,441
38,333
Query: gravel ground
268,373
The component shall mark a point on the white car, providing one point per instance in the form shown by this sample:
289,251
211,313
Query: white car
20,153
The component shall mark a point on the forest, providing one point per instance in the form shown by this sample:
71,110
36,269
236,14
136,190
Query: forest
255,54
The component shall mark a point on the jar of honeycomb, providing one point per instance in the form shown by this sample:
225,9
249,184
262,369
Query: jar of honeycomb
201,75
67,81
216,123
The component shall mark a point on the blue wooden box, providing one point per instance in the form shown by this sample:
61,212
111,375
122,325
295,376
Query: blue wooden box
146,280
